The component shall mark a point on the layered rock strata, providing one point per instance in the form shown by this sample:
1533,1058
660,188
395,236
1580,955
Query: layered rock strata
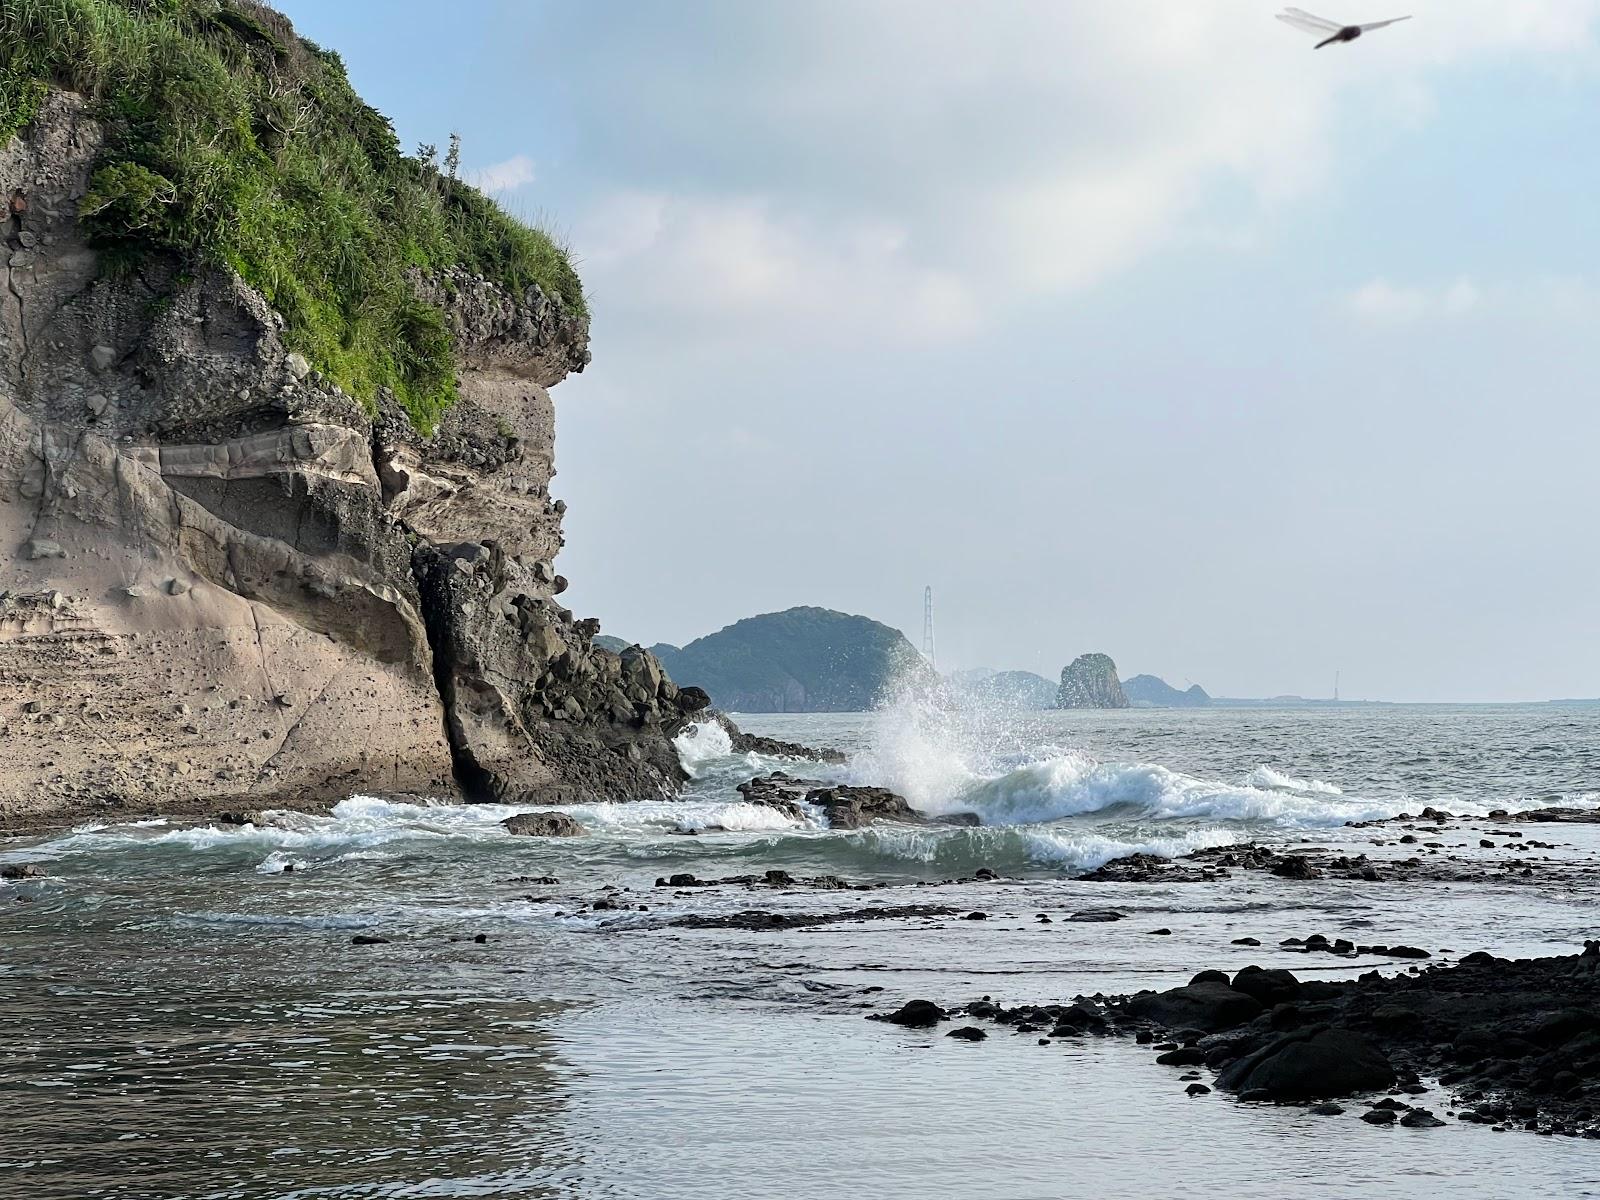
222,580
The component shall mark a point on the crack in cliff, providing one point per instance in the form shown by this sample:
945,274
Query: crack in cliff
470,778
22,322
288,734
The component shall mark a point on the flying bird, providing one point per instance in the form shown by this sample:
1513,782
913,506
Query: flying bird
1330,31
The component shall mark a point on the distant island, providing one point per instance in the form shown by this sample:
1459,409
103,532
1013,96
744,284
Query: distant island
799,660
1148,691
1090,681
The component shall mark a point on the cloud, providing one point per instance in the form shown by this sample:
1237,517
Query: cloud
867,160
739,266
506,176
1383,303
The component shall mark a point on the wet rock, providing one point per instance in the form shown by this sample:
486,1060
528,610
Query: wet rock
368,939
21,871
1210,1006
1421,1118
1314,1064
1379,1116
1197,1089
1326,1109
915,1014
968,1033
1295,866
543,824
1097,915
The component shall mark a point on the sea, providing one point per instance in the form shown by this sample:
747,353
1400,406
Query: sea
183,1016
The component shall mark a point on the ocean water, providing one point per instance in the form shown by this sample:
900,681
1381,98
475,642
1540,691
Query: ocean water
181,1017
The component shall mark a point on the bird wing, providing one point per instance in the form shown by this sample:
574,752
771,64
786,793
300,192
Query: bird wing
1381,24
1306,23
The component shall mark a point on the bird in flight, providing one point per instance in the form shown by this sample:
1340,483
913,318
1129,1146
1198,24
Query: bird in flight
1330,31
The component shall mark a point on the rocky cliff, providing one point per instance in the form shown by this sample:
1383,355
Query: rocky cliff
1090,681
225,579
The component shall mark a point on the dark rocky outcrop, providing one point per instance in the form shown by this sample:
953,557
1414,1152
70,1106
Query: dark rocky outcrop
844,806
1311,1064
800,660
1090,681
543,824
749,743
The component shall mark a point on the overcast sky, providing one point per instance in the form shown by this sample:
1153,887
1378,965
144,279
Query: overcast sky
1134,327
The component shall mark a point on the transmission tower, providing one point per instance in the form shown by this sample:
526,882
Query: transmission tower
927,626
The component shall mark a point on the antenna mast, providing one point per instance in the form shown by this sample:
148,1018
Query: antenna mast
927,626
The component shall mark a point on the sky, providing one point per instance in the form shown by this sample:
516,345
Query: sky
1128,326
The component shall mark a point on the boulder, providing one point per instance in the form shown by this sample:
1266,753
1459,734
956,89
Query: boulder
543,824
1321,1063
1208,1006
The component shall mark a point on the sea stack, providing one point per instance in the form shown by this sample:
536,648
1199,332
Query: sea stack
1090,681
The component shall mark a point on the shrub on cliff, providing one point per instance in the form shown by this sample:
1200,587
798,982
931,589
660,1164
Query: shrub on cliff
233,141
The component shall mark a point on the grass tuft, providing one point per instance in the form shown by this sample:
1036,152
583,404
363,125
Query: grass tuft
233,141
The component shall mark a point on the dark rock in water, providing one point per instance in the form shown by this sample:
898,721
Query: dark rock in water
368,939
749,743
1406,952
1379,1116
1162,932
1090,681
1184,1056
916,1014
1421,1118
1327,1109
1197,1089
1211,1007
844,806
1313,1064
968,1033
976,916
1131,868
1268,987
1246,941
757,919
244,817
1295,866
1097,914
543,824
984,874
20,871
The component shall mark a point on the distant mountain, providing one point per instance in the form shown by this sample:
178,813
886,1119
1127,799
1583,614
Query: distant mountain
1090,681
801,660
1007,689
1148,691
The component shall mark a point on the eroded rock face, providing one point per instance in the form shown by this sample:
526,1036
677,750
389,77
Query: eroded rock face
221,579
1090,681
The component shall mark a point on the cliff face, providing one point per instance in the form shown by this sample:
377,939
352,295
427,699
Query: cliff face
799,660
1090,681
223,579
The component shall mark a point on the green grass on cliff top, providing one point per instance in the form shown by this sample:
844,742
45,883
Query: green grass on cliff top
233,141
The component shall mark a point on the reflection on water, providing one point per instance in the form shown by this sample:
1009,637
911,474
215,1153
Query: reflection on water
183,1090
180,1017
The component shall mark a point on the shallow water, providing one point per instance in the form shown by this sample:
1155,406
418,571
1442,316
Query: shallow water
183,1018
